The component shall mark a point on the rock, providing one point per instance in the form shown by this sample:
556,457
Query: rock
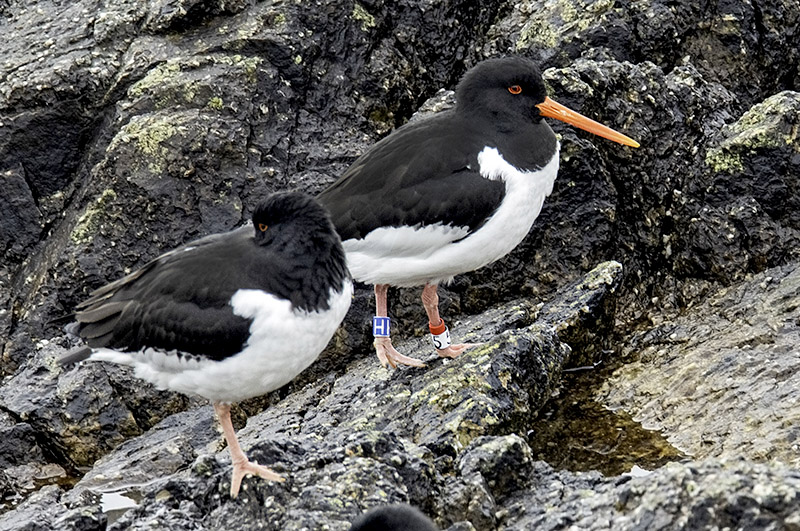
748,222
171,445
722,380
32,514
128,129
17,442
696,495
503,463
43,510
21,220
80,413
740,44
584,315
25,468
370,436
467,501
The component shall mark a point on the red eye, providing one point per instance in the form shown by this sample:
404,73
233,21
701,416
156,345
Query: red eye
262,227
515,89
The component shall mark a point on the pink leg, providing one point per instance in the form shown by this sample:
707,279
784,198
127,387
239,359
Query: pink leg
383,345
430,300
241,465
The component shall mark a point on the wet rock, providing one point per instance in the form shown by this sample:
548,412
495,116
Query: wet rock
81,413
44,510
747,223
46,144
22,461
722,380
584,315
171,445
504,463
7,491
68,409
33,513
741,44
17,442
467,501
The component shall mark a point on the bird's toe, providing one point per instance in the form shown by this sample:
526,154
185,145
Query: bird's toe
387,354
453,351
242,469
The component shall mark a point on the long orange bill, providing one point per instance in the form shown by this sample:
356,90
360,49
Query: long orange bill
553,109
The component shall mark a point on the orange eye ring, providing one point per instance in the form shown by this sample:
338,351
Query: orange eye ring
515,89
263,227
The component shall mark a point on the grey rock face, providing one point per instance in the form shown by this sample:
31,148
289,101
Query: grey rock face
127,128
700,495
738,350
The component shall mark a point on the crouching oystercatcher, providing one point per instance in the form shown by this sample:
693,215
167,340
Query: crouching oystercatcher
229,316
453,192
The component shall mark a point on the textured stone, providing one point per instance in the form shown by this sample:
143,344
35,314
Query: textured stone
437,438
723,379
127,128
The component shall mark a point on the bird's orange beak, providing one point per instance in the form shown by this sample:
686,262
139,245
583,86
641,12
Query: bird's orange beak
552,109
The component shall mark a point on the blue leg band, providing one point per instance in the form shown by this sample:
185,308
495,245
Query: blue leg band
381,326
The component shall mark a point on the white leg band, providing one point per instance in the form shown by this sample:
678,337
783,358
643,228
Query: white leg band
440,335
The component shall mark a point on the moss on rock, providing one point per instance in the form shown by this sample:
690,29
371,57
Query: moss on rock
772,124
91,219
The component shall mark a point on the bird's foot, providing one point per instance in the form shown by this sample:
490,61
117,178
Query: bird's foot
453,351
243,468
440,334
389,356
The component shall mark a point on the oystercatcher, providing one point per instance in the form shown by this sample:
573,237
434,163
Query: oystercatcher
229,316
451,193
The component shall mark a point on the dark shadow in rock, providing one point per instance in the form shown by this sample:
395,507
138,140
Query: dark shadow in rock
575,432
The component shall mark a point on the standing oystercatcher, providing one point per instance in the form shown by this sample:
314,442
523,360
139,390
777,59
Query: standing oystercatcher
229,316
453,192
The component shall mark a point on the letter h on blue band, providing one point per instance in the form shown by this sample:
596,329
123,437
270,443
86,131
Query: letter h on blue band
380,326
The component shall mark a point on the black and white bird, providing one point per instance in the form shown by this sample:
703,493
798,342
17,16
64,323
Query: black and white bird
453,192
229,316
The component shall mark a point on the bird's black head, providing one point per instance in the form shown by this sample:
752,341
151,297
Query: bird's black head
506,88
291,218
306,258
396,517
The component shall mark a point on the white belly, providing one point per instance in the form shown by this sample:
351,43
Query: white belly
283,343
408,256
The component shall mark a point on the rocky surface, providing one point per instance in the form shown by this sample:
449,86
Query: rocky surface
127,128
706,494
737,350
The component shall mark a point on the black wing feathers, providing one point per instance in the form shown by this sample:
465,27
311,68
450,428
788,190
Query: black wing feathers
182,299
393,183
169,303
